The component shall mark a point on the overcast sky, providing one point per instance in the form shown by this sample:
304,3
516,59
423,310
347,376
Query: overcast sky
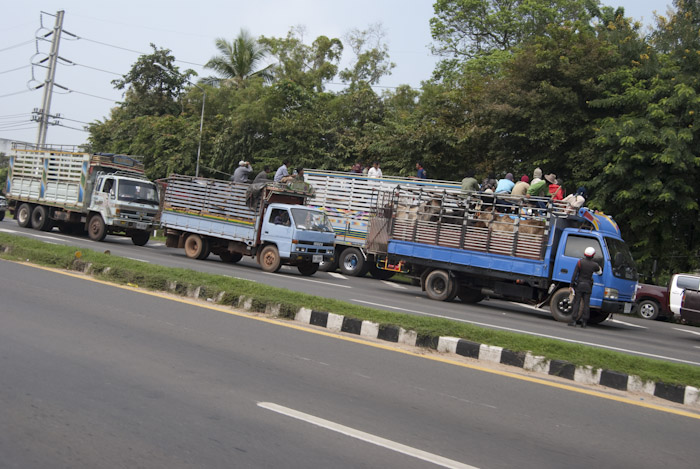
113,35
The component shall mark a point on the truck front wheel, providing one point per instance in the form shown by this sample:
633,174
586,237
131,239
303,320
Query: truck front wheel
648,309
196,247
269,259
140,238
596,317
559,305
24,215
307,269
440,286
353,263
96,228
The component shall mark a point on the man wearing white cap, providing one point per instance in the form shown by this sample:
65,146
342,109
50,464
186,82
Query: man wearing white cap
242,173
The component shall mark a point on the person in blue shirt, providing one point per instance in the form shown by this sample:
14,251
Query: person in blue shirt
505,185
421,173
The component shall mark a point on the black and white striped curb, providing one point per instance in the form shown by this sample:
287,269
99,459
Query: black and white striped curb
687,395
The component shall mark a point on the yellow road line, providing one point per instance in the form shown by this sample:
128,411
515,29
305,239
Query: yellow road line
305,328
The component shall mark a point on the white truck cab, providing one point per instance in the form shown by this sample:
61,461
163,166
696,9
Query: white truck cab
679,283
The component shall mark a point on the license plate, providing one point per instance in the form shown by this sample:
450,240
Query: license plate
628,308
316,243
141,226
317,259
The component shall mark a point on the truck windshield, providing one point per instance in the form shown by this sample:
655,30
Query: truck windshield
621,259
311,220
142,192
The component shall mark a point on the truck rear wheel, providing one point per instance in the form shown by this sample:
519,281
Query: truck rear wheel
269,259
231,257
559,305
2,214
440,286
96,228
24,215
469,295
140,238
196,247
328,266
352,263
40,219
307,269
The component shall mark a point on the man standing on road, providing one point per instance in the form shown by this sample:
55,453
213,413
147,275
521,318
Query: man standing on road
582,284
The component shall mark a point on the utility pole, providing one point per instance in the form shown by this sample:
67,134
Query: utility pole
45,109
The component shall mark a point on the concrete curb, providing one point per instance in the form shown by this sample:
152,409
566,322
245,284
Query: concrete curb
687,395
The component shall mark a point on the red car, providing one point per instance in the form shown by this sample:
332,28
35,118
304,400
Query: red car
652,301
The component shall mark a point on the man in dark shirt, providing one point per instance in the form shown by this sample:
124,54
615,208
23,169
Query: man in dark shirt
582,284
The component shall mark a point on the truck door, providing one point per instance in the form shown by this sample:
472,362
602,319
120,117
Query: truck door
277,228
570,250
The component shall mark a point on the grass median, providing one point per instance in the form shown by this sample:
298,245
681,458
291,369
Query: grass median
227,291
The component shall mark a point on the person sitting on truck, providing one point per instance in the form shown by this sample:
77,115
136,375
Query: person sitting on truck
469,183
421,173
505,185
242,173
262,175
576,200
582,285
282,175
520,188
374,171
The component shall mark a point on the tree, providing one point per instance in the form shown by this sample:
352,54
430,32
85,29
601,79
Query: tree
150,90
240,61
309,66
371,56
649,148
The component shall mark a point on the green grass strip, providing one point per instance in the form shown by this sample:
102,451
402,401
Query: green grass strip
227,291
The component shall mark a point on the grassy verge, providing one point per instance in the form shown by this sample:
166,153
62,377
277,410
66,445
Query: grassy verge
227,291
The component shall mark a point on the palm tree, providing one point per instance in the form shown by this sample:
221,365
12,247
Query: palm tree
238,61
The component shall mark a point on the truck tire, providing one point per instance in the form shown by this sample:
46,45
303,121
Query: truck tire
2,215
380,274
352,263
269,259
140,238
469,295
96,228
230,257
648,309
307,269
328,266
559,305
40,219
440,286
24,215
196,247
596,316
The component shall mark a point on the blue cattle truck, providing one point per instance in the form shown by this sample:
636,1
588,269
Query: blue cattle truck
348,199
522,249
266,221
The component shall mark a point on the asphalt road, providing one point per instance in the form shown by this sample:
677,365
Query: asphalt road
96,376
628,334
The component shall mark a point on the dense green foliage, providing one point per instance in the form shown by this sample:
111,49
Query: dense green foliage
569,85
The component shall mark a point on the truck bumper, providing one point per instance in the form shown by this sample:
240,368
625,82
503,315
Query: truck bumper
616,307
132,225
315,258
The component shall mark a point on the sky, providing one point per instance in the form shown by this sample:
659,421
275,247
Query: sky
108,38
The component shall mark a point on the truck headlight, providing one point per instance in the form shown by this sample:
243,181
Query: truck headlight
611,294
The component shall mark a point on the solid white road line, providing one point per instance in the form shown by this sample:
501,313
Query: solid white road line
5,230
521,331
317,281
337,275
617,321
393,284
139,260
686,330
367,437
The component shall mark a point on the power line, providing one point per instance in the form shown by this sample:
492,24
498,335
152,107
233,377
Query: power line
15,69
16,92
17,45
91,95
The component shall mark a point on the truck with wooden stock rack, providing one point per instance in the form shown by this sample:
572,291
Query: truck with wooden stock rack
102,193
266,221
522,249
348,199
